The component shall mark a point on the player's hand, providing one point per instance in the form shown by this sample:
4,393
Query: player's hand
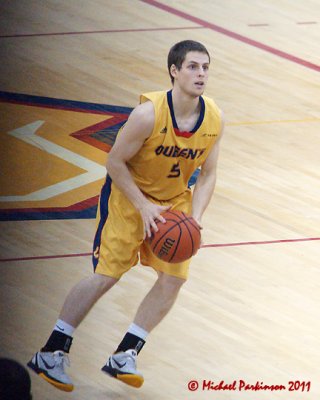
200,227
151,214
198,223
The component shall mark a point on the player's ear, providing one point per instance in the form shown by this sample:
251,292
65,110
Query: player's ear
173,70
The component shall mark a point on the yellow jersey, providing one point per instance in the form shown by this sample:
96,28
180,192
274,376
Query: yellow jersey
168,158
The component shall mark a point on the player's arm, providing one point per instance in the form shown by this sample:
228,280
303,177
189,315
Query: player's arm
136,130
206,181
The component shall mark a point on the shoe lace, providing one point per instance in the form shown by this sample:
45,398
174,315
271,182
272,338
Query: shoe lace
61,359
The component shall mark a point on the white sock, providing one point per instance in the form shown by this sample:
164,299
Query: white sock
63,327
138,331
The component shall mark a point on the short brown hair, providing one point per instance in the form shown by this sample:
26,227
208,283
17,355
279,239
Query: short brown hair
178,52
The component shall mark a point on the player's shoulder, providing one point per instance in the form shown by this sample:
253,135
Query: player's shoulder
144,112
143,116
212,107
141,119
153,96
149,103
210,101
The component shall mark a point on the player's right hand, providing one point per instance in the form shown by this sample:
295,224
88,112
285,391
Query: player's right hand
151,214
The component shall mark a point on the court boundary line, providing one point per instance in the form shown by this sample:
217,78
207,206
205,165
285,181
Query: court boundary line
233,35
21,35
236,244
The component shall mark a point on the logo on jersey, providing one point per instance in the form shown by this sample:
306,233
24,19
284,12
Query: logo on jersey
209,134
96,252
175,151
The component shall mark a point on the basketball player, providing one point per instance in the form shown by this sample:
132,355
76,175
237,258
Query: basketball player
166,138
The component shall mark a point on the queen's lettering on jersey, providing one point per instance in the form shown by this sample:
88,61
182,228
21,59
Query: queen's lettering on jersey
175,151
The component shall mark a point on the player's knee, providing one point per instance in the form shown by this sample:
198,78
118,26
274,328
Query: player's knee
103,282
170,284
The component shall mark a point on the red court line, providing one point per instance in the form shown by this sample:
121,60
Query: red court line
45,257
259,243
103,31
233,35
203,246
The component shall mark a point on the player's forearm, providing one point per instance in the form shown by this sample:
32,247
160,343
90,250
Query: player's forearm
202,194
121,176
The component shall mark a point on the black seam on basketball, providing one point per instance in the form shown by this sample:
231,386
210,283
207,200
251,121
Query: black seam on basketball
185,217
178,241
161,237
191,238
182,220
170,229
172,220
194,224
175,213
189,219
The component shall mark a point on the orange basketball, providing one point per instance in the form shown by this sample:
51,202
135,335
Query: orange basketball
177,240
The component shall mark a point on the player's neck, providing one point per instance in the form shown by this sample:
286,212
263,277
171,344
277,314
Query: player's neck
184,105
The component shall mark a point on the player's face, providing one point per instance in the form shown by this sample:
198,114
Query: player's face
193,74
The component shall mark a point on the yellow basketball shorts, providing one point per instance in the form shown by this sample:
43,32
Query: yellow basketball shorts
119,236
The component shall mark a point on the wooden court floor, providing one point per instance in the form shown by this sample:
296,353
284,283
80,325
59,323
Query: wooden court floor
250,310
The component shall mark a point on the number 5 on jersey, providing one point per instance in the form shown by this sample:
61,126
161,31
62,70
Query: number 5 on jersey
175,171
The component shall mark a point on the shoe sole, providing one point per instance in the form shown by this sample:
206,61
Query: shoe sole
66,387
130,379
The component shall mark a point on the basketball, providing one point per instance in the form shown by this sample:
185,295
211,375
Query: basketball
177,240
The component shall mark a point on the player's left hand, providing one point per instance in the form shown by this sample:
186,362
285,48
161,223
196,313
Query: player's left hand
200,227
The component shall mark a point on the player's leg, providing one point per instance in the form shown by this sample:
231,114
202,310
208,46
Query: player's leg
110,262
83,296
154,307
158,302
51,360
